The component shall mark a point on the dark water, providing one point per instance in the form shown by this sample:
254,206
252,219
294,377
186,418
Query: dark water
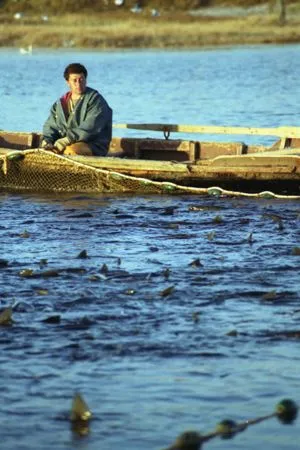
184,310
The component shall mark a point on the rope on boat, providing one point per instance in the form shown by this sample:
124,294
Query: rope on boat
102,180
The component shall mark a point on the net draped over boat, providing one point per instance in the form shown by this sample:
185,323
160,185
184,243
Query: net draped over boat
45,172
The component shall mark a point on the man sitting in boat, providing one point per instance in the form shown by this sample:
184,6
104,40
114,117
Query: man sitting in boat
80,122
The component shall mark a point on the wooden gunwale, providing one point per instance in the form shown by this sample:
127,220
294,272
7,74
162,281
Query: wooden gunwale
153,158
279,165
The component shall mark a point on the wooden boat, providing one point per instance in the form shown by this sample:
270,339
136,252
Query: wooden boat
158,165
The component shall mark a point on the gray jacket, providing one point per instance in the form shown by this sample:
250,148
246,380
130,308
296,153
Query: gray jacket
90,121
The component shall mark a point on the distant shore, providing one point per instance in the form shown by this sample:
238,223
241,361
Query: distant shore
167,30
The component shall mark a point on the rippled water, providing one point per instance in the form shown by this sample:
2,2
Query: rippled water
184,310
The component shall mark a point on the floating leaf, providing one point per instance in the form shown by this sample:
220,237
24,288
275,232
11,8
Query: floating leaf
52,319
82,255
25,234
210,236
196,263
169,211
196,208
250,238
42,291
47,274
80,410
195,316
272,295
153,249
233,333
218,219
3,263
26,273
43,262
166,273
296,251
104,268
6,317
130,292
167,291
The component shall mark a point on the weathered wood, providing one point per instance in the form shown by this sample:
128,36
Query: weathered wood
19,141
271,162
291,132
186,162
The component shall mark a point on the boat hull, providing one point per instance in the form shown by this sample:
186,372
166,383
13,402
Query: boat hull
233,166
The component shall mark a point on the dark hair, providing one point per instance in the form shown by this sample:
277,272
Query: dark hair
74,68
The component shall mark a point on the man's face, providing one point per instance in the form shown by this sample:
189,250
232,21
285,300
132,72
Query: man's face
77,83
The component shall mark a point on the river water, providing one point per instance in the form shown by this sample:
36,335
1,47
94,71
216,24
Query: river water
166,313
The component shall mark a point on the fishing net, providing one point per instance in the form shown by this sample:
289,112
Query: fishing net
45,172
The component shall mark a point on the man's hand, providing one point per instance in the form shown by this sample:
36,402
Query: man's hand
46,145
61,144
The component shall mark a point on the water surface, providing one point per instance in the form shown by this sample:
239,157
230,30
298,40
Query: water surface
183,313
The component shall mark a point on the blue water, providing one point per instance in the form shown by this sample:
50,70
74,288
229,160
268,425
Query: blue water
156,342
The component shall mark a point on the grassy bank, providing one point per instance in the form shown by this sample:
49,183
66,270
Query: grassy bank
113,30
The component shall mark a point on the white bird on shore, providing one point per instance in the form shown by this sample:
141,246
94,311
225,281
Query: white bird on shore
26,50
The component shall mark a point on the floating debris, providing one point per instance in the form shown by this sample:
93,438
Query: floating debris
289,334
6,317
167,291
3,263
130,292
29,273
43,262
296,251
83,255
269,296
211,235
25,234
196,316
166,273
154,249
233,333
42,292
196,263
104,268
169,211
26,273
218,219
52,319
80,411
250,238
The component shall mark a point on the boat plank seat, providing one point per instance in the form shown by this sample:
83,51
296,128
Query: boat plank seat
286,143
173,150
19,141
153,149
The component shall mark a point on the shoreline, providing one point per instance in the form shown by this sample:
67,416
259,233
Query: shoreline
132,31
